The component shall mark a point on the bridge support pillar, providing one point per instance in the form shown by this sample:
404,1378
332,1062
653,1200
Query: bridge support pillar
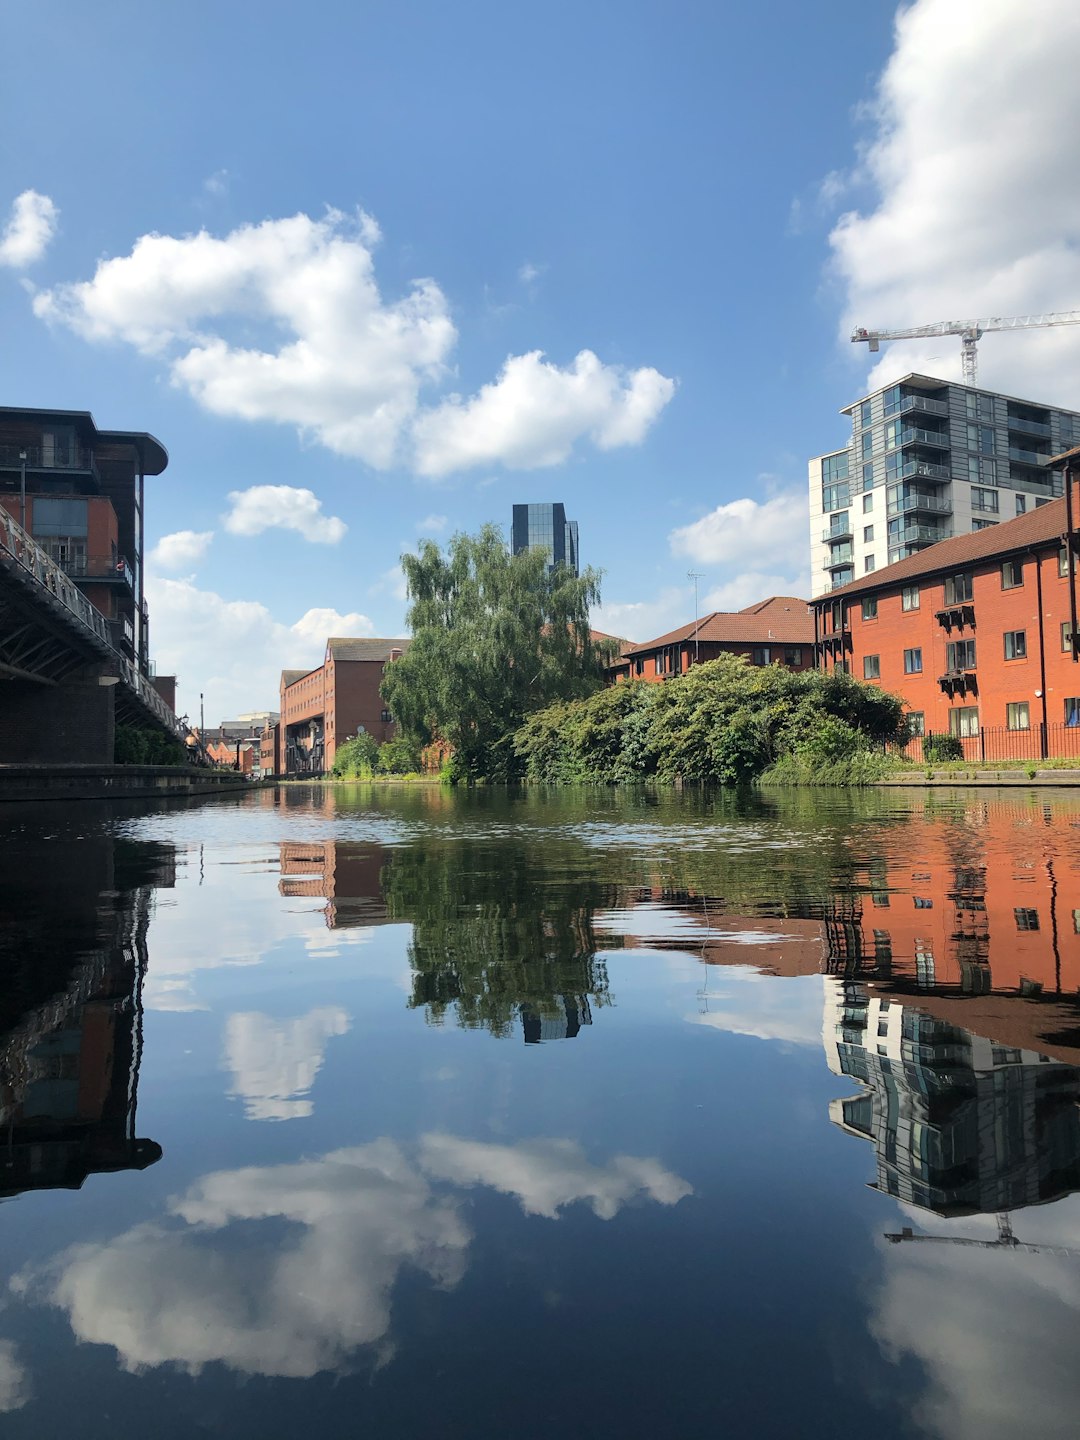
70,723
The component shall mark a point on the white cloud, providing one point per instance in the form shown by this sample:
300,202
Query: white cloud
529,272
283,321
28,231
182,1292
217,184
234,650
993,1332
641,620
181,550
975,210
749,1002
432,525
282,507
535,413
754,534
275,1062
546,1175
15,1388
741,590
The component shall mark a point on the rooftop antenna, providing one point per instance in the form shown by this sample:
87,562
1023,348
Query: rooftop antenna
695,576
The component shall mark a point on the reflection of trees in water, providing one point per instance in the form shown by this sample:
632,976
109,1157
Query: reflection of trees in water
495,936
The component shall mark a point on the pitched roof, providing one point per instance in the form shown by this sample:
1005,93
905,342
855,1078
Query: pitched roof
781,619
342,648
290,677
1040,526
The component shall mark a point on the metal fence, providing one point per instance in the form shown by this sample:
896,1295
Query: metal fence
997,742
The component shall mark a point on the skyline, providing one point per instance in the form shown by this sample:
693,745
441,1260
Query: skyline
382,278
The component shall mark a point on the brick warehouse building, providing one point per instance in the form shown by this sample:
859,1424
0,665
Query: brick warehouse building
320,709
977,633
779,630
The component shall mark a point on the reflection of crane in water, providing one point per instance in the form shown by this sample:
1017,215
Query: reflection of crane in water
1006,1240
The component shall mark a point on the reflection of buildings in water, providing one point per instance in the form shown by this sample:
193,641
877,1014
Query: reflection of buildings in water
69,1068
347,877
570,1013
960,1125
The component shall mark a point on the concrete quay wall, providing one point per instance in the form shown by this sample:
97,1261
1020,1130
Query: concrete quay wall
115,782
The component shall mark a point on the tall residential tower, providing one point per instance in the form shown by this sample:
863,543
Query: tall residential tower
927,460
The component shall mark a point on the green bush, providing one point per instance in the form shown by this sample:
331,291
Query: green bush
143,745
355,759
937,748
398,757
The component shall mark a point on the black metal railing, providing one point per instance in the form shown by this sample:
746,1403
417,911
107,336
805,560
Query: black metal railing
1000,743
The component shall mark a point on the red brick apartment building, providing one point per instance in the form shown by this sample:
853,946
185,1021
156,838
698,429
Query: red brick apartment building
320,709
977,633
777,631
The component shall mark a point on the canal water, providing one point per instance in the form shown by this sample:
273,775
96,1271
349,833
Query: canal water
407,1113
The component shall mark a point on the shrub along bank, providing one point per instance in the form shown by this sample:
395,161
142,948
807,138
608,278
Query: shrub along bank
725,722
363,757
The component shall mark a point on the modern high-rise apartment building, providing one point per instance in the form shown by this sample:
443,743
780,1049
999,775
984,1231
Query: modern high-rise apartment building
927,460
546,527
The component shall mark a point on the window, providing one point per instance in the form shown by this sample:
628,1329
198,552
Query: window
387,717
1021,504
871,667
835,497
982,470
960,655
984,500
916,723
793,655
867,444
868,475
922,903
1026,919
958,588
869,609
891,399
762,655
869,565
1066,636
867,534
982,524
979,407
867,503
1018,716
964,721
1012,574
864,414
53,515
980,438
1072,710
1015,644
840,524
913,662
1063,561
909,597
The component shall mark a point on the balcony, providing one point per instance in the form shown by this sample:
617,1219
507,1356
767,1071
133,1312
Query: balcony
911,435
922,405
920,504
920,535
840,555
921,470
1029,427
70,459
838,532
959,682
1028,457
960,614
101,572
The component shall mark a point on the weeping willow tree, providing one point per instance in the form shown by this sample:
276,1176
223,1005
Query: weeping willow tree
496,637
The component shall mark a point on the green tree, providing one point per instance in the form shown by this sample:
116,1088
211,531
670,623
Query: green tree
495,637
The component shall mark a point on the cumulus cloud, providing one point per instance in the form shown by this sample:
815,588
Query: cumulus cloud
284,321
535,413
738,591
234,650
432,525
184,1292
641,620
755,1004
29,229
754,534
547,1175
992,1331
974,209
275,1062
15,1388
282,507
181,550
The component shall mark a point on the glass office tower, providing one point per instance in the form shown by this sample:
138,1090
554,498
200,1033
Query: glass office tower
546,527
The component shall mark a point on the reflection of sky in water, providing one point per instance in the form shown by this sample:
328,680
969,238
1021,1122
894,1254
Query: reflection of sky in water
602,1233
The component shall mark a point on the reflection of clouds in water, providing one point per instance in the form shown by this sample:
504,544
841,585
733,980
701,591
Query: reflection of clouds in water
14,1381
206,1290
994,1329
746,1002
545,1175
274,1062
652,921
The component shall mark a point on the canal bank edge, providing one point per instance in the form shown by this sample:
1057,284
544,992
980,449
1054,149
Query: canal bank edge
119,782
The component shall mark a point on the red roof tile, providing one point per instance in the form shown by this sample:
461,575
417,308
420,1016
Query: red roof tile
782,620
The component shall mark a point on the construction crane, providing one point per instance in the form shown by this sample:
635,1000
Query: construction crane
970,332
1006,1240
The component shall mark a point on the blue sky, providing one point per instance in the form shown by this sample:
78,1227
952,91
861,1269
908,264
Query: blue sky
405,203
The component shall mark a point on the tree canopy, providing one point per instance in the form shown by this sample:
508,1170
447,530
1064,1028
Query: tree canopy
496,637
